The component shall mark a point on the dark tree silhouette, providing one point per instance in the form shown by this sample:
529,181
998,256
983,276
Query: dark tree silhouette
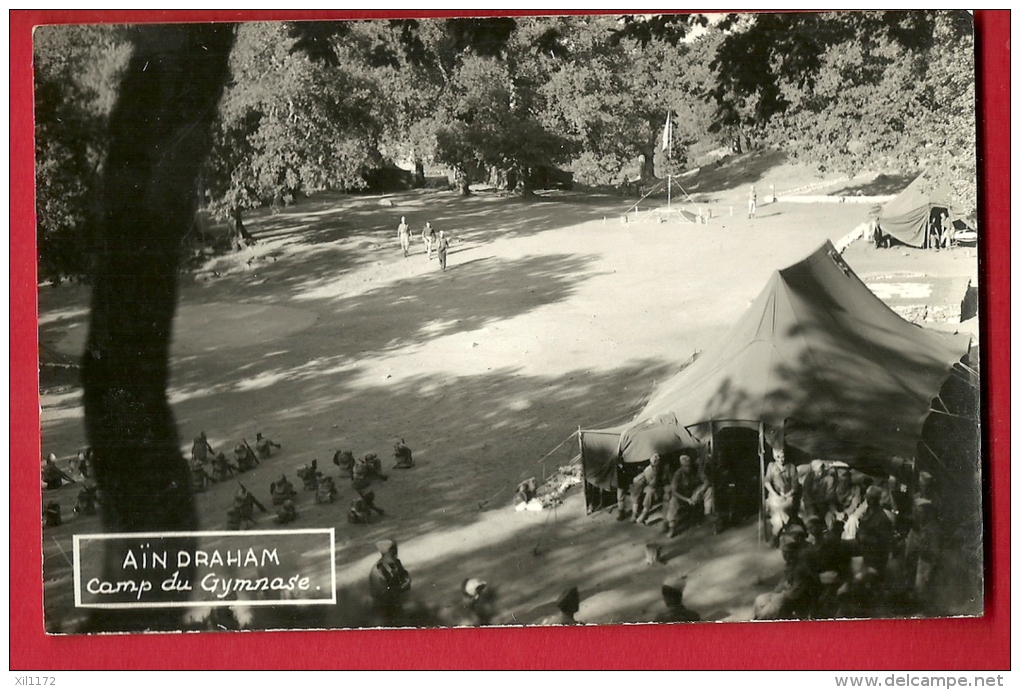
159,135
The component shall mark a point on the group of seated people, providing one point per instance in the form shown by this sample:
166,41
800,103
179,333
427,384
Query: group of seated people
686,492
852,547
207,466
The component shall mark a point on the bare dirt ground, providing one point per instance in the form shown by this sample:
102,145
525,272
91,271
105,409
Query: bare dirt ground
554,314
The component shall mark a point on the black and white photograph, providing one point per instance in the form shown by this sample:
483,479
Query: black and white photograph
566,320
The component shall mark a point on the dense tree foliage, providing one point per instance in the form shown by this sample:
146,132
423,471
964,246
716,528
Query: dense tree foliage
77,70
290,124
854,90
320,105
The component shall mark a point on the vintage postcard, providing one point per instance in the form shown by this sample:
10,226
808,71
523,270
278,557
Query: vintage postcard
509,321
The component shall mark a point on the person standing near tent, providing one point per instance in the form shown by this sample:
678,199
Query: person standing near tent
752,202
404,235
782,487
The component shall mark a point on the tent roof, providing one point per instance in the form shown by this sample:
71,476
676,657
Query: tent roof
905,217
819,355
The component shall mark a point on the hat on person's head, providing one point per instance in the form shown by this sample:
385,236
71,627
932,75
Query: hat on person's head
385,545
925,477
569,601
473,586
52,457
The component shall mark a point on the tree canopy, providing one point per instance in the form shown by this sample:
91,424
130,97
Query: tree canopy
314,106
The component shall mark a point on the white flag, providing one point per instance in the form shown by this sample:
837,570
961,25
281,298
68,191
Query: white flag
667,132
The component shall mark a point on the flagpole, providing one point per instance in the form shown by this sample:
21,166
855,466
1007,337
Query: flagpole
667,143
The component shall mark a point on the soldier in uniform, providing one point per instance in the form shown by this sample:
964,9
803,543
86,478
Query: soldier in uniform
875,533
200,449
783,492
477,605
52,476
366,469
818,491
286,513
222,468
428,237
245,457
797,592
388,580
264,446
281,490
404,235
326,491
359,514
688,489
673,596
199,476
309,475
403,455
85,503
567,607
245,504
645,488
344,459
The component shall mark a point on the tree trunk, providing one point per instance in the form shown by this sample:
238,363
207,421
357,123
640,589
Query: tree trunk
419,173
647,162
463,183
240,236
159,135
524,186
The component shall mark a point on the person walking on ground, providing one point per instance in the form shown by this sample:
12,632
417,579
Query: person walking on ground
404,235
442,246
428,236
752,202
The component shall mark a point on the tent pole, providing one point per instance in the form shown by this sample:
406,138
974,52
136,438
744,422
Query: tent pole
937,458
584,474
761,479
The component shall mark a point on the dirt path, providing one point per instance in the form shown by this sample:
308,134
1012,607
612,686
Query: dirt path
552,315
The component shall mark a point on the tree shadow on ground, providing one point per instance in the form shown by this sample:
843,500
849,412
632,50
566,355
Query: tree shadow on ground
882,185
486,430
732,172
331,217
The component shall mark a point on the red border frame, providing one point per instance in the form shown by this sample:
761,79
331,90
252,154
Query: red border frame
955,644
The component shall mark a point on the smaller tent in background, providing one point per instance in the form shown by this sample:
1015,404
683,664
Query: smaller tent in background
906,217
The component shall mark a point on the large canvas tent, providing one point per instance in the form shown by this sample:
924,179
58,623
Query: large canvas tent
906,216
817,357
